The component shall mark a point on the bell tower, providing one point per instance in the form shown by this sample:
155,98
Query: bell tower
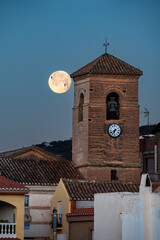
105,139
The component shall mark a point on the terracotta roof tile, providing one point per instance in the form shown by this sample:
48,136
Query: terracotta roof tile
107,64
79,189
10,238
79,214
33,172
7,185
85,190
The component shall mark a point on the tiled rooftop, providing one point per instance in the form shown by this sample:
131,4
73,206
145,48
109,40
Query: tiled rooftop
79,214
79,189
9,238
85,190
32,151
7,185
37,172
107,64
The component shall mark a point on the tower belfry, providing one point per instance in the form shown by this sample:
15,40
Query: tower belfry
105,139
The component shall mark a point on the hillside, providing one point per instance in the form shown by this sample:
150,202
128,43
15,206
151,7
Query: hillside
61,148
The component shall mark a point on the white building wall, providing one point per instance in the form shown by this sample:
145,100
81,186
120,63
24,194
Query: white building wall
140,215
84,204
39,231
61,236
155,216
107,216
130,216
39,208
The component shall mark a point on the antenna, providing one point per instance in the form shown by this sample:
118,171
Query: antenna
146,114
106,44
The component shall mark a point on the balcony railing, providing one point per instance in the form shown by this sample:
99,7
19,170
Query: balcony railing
7,230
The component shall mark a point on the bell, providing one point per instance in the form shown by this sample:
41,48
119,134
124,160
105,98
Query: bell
113,108
112,105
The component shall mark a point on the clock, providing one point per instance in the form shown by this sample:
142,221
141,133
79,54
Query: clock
114,130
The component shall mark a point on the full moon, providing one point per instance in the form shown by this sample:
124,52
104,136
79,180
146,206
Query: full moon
59,82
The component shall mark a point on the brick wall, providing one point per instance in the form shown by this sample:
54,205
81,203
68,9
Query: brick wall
91,142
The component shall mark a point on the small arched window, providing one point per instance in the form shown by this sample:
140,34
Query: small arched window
112,106
80,108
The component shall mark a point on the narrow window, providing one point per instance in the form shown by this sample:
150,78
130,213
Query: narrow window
27,216
59,217
112,106
26,202
80,108
113,175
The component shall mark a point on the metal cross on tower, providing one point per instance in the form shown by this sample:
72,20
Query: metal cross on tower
106,44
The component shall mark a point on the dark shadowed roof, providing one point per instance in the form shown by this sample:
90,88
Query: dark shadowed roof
107,64
33,172
147,129
85,190
7,185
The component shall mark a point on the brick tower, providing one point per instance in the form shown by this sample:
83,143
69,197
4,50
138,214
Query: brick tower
105,143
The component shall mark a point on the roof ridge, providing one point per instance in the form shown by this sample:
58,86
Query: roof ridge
20,151
98,181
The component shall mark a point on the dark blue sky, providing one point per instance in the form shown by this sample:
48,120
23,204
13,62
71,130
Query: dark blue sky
39,37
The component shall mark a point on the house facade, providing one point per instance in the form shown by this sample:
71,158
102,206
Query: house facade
150,151
41,177
73,202
12,197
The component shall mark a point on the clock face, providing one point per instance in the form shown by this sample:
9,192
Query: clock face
114,130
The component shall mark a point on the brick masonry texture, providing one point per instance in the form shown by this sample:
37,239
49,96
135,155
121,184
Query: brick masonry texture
95,153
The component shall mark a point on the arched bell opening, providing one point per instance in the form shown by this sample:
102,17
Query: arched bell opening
112,106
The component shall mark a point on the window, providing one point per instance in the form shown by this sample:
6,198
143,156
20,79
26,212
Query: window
60,208
59,216
26,227
26,201
114,175
80,108
112,106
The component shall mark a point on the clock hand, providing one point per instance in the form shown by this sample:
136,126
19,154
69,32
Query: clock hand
113,131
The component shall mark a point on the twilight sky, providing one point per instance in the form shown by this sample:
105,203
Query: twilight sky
39,37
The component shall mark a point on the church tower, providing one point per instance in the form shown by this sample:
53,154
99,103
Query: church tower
105,138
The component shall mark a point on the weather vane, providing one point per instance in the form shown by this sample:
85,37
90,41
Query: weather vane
106,44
